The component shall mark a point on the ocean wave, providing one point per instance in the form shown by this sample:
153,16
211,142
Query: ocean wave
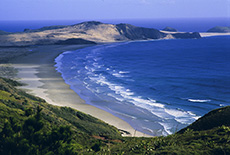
122,94
181,116
58,62
167,128
118,75
198,100
148,129
124,72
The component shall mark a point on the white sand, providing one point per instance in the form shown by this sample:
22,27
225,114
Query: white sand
202,34
207,34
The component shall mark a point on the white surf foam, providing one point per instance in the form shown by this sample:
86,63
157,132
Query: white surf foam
167,127
58,62
124,72
198,100
148,129
118,75
120,93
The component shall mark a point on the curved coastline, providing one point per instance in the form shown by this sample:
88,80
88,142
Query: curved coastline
38,72
70,78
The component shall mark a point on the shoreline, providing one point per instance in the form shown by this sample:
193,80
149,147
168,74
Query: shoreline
202,34
37,70
208,34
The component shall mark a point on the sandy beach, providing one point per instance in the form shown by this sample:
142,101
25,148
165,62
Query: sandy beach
202,34
38,72
208,34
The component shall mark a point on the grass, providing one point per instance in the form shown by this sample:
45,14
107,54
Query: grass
88,135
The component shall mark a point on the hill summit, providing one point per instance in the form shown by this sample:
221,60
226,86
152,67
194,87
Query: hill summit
92,31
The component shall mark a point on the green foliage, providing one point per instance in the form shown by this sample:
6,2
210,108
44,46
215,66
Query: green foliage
31,140
215,118
214,141
29,111
28,125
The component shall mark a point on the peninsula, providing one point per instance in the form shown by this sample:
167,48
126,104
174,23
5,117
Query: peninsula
88,32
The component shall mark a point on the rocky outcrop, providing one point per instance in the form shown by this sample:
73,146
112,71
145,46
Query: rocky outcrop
194,35
170,29
220,29
139,33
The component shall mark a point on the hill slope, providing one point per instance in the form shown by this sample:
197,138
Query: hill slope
28,125
213,119
22,114
208,135
92,31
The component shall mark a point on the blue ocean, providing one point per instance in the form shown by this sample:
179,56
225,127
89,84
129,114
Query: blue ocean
181,24
157,86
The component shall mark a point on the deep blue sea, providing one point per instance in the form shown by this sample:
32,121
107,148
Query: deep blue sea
181,24
157,86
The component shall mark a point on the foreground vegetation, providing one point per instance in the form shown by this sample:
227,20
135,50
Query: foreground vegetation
28,125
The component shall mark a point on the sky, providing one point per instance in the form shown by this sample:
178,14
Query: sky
112,9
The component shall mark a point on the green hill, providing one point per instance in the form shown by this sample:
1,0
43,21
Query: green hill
208,135
213,119
19,113
28,125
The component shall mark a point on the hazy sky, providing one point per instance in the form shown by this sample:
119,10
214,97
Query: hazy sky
111,9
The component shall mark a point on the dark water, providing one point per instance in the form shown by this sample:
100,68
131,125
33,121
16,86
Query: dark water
190,24
156,86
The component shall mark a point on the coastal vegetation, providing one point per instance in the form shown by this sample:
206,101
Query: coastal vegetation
29,125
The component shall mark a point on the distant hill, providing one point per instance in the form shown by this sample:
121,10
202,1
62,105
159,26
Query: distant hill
3,32
220,29
170,29
91,31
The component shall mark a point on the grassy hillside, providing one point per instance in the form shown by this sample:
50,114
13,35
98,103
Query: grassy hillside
208,135
28,125
213,119
214,141
18,109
